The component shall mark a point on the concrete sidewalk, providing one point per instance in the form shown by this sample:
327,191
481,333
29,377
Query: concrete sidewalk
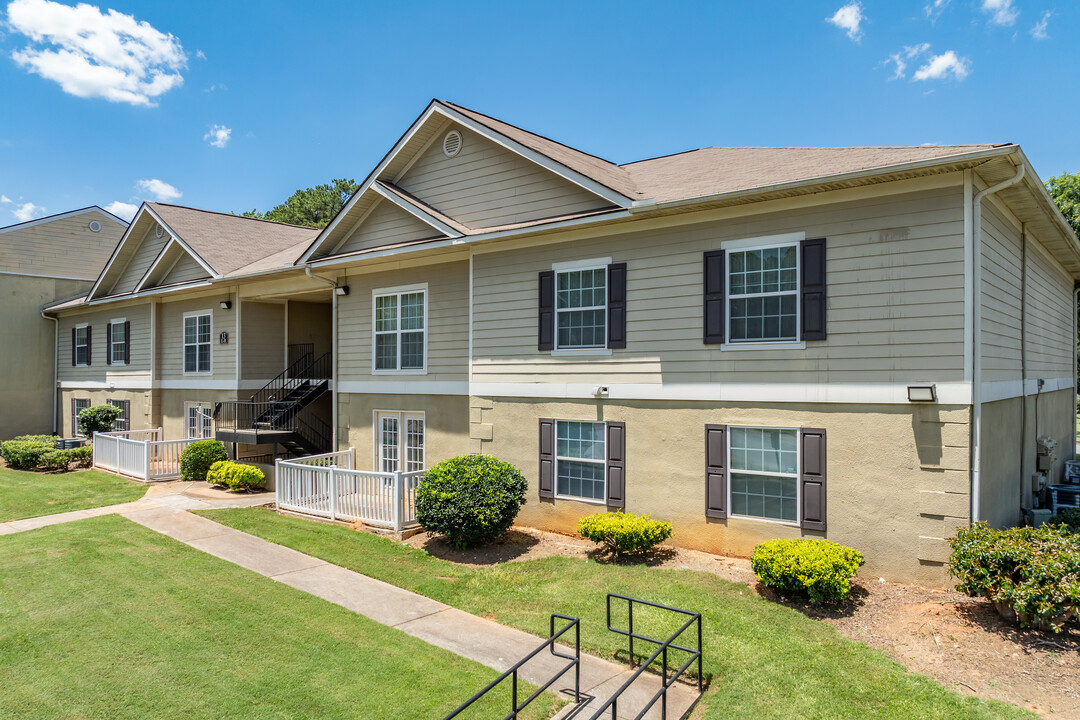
164,508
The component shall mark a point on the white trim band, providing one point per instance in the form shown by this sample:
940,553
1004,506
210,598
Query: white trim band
404,387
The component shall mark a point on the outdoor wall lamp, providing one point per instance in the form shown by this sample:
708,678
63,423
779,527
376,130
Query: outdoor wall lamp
225,304
922,393
341,290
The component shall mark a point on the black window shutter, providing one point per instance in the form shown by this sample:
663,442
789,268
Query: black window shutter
547,458
546,315
89,345
714,282
616,326
108,344
812,263
616,464
716,475
812,480
127,342
74,353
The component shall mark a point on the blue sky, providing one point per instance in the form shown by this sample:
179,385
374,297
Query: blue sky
233,105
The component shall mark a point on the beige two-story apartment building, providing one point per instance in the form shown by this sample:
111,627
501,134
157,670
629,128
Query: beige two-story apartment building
863,344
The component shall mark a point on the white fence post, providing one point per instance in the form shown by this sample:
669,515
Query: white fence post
399,502
333,492
277,482
147,474
94,447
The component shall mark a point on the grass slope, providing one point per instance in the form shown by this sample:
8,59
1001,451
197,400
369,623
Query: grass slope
26,494
764,660
103,618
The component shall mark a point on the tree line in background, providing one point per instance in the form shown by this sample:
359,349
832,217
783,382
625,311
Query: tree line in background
311,207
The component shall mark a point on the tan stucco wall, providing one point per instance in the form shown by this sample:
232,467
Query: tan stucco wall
897,474
142,407
171,404
446,423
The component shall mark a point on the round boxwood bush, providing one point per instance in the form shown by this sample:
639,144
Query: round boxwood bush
234,475
470,499
99,418
622,533
197,457
820,569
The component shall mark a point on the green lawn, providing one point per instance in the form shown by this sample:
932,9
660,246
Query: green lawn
26,494
103,618
764,659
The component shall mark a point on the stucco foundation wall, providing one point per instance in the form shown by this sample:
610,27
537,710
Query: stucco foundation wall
897,474
171,406
446,424
142,407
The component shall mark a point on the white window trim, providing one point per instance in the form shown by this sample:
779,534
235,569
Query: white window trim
560,458
184,344
75,349
75,432
117,321
577,266
403,416
399,291
791,344
114,402
209,407
798,476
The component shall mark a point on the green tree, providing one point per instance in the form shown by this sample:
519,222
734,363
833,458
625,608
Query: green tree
312,207
1065,189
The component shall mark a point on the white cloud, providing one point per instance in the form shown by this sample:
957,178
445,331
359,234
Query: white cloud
161,191
4,199
901,58
218,136
934,8
27,211
1001,12
200,54
849,19
122,209
1038,30
94,54
215,86
942,66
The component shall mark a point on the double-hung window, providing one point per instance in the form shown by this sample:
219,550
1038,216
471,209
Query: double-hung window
400,323
77,405
581,308
118,341
763,294
82,345
123,422
764,465
580,460
197,334
398,436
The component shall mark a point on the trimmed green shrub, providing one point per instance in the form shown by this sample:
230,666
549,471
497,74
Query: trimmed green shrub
82,456
470,499
820,569
1068,519
1032,575
27,451
197,457
234,475
624,534
99,418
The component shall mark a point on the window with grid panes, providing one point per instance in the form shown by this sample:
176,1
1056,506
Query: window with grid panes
580,460
764,466
400,331
581,308
197,343
763,294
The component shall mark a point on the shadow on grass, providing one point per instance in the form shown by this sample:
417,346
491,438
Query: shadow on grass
511,546
651,558
800,603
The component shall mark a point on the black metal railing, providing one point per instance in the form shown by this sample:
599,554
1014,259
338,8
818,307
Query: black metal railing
661,652
316,432
295,353
574,661
303,372
240,415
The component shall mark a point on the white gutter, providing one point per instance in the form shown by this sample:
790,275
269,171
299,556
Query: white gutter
976,339
56,366
333,349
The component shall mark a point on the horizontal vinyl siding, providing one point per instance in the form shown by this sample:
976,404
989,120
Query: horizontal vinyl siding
141,260
99,370
1000,297
170,329
185,270
61,248
262,347
447,331
1050,318
895,301
387,224
486,185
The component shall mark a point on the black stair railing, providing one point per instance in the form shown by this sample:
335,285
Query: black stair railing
303,372
296,352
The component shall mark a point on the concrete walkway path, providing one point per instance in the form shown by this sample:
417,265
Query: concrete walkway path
163,510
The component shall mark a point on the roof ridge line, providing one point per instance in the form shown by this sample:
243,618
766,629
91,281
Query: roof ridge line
233,215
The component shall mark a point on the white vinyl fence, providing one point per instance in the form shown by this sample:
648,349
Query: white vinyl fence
328,486
141,454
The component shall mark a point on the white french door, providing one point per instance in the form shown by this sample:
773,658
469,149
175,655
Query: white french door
198,420
399,436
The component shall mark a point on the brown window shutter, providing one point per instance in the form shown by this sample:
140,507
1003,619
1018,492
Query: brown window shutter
812,262
108,344
616,327
127,342
74,354
547,458
716,474
89,345
714,281
546,315
812,480
616,464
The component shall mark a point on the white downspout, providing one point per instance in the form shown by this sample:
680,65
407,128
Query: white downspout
56,367
333,349
976,326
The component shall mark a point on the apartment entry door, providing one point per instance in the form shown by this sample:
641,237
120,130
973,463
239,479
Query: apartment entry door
399,436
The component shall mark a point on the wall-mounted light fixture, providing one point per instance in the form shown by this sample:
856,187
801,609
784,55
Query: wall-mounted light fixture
922,393
225,304
341,290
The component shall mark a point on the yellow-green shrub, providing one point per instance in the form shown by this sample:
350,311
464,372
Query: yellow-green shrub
622,533
820,569
234,475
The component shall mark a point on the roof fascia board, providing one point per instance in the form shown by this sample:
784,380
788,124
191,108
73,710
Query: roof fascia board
416,211
176,236
345,237
61,216
143,294
160,256
1055,212
116,251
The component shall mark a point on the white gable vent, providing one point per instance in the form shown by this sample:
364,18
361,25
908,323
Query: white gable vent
451,144
159,231
95,226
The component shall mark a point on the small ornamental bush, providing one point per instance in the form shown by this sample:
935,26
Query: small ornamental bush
234,475
197,457
27,451
470,499
64,459
622,533
820,569
1032,575
1067,519
99,418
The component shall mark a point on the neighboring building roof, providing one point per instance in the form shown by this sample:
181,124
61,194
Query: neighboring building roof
60,216
73,245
